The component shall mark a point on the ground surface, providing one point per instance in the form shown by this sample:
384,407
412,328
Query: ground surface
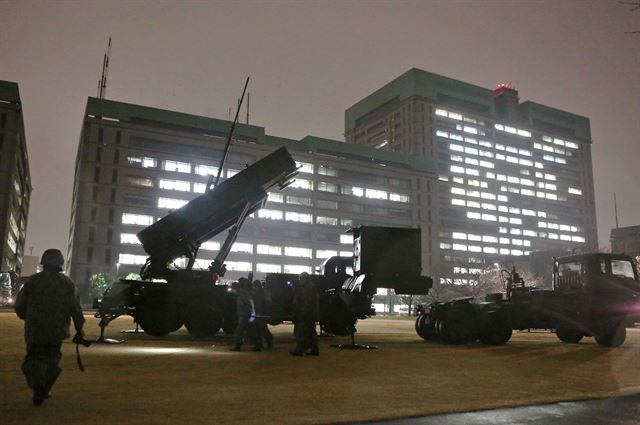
181,380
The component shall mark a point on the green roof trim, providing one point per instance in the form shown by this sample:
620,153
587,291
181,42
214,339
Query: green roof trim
417,82
9,91
531,111
625,232
127,112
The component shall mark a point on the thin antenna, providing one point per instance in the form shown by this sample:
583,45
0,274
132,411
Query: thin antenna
102,84
615,207
229,113
248,98
226,146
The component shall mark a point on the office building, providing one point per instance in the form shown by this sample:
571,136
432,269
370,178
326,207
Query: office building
626,240
513,177
15,181
135,164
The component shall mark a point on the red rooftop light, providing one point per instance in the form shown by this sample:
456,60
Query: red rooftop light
505,86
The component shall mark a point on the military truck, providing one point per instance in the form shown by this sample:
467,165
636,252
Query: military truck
592,295
167,297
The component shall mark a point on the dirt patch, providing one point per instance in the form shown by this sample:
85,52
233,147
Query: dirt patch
181,380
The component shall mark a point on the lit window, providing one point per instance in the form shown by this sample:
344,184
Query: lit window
490,175
302,184
514,220
529,233
270,214
455,116
473,215
565,237
460,202
457,158
346,254
129,238
476,238
321,254
242,247
539,165
575,191
516,252
180,167
375,194
473,204
489,217
444,245
490,207
143,220
473,193
298,217
552,196
489,239
471,172
542,214
489,250
398,197
471,161
470,130
143,162
456,169
458,235
553,236
561,160
296,269
441,133
297,200
441,112
304,167
330,221
471,140
275,197
268,268
500,156
486,164
458,191
171,203
571,145
210,246
268,249
132,259
238,266
206,170
512,159
526,162
456,148
505,241
327,171
180,185
475,248
199,187
346,239
327,187
293,251
231,173
577,239
459,247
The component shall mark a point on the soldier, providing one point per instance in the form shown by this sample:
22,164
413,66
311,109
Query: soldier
246,313
260,328
305,314
46,302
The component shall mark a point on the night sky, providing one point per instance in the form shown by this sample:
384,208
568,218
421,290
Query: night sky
308,62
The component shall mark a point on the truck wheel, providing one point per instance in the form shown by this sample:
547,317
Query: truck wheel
568,334
456,328
425,328
497,332
613,337
202,319
158,318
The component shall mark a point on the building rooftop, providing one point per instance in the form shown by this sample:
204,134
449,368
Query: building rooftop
9,91
440,89
179,121
625,232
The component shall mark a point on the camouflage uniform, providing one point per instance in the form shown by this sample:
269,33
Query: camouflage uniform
260,330
46,302
305,315
246,313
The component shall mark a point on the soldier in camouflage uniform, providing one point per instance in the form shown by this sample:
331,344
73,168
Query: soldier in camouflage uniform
46,302
245,308
260,329
305,315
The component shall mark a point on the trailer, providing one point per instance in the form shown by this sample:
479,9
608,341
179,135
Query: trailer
593,295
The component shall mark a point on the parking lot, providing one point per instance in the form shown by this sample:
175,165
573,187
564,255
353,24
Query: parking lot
177,379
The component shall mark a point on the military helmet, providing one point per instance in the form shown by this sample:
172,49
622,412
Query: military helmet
52,258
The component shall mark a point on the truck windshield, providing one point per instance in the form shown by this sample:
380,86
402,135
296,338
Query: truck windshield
622,268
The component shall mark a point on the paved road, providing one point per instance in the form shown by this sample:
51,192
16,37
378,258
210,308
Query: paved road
614,411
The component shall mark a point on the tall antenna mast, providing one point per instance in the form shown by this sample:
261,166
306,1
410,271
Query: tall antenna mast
102,84
248,98
615,208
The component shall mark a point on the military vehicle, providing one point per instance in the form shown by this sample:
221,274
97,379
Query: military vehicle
168,297
592,295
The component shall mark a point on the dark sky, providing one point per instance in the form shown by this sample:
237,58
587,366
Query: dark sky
308,62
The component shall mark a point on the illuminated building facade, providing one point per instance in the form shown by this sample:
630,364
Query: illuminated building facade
135,164
513,177
15,180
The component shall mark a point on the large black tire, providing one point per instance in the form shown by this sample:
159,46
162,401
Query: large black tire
614,336
425,328
158,317
496,332
202,318
569,334
456,328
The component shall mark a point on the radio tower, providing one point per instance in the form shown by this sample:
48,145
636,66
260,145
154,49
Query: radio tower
102,83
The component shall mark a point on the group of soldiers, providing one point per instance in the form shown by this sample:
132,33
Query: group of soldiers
253,315
49,299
